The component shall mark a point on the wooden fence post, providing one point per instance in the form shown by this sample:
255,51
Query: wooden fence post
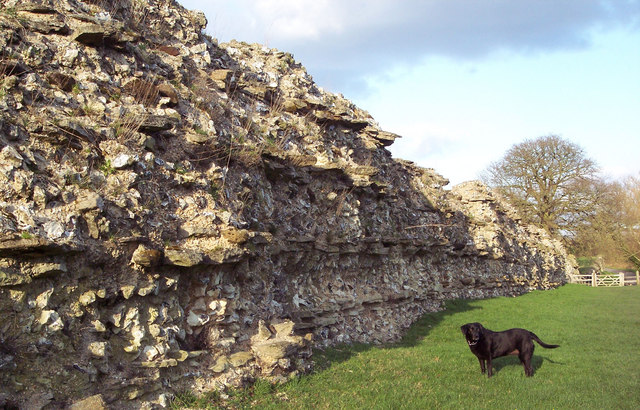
638,278
593,279
621,278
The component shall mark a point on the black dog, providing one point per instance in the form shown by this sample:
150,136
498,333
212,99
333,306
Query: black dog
488,345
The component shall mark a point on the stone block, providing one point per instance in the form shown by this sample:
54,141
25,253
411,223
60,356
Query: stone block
182,257
145,256
90,403
240,358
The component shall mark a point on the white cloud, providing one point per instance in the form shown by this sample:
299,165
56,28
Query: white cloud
341,41
292,20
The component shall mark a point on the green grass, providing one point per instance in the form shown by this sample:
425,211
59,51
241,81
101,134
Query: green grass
597,365
586,261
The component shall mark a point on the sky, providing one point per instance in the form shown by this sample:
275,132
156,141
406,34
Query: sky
462,81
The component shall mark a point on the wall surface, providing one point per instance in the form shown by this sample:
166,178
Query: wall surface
177,213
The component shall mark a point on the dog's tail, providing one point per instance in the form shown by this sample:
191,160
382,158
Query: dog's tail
541,343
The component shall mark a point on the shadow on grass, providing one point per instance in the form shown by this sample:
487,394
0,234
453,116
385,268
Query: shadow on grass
508,361
421,328
536,363
418,331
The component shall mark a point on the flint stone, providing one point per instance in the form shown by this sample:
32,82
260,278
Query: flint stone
147,290
98,326
91,35
271,351
467,281
263,333
9,155
89,202
172,51
199,19
236,236
199,227
155,123
39,7
284,329
385,138
166,90
270,348
180,355
69,57
150,352
45,269
87,298
182,257
197,138
294,104
90,403
160,363
147,257
322,321
52,318
46,23
221,365
98,349
42,300
227,255
109,33
363,170
331,118
221,78
11,245
256,91
127,291
240,358
53,229
194,319
11,279
123,161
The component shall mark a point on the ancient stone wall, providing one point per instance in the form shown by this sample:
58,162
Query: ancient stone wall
177,213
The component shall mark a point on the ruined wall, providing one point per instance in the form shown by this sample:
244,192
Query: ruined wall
177,213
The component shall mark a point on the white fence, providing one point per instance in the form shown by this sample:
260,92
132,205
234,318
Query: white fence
607,279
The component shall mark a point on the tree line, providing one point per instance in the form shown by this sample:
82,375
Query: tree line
553,184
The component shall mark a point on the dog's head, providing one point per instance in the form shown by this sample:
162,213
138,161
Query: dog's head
472,332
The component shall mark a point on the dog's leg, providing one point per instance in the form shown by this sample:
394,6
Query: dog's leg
526,362
489,367
525,357
482,368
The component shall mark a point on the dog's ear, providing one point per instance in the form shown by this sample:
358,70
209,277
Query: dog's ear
464,328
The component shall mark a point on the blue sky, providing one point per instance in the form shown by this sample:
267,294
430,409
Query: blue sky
463,80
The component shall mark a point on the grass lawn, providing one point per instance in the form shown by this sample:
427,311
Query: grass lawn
597,365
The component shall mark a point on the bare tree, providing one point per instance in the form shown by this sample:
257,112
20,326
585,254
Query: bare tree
549,180
630,222
624,214
613,230
593,235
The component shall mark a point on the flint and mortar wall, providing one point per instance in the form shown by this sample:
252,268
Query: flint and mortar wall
177,213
